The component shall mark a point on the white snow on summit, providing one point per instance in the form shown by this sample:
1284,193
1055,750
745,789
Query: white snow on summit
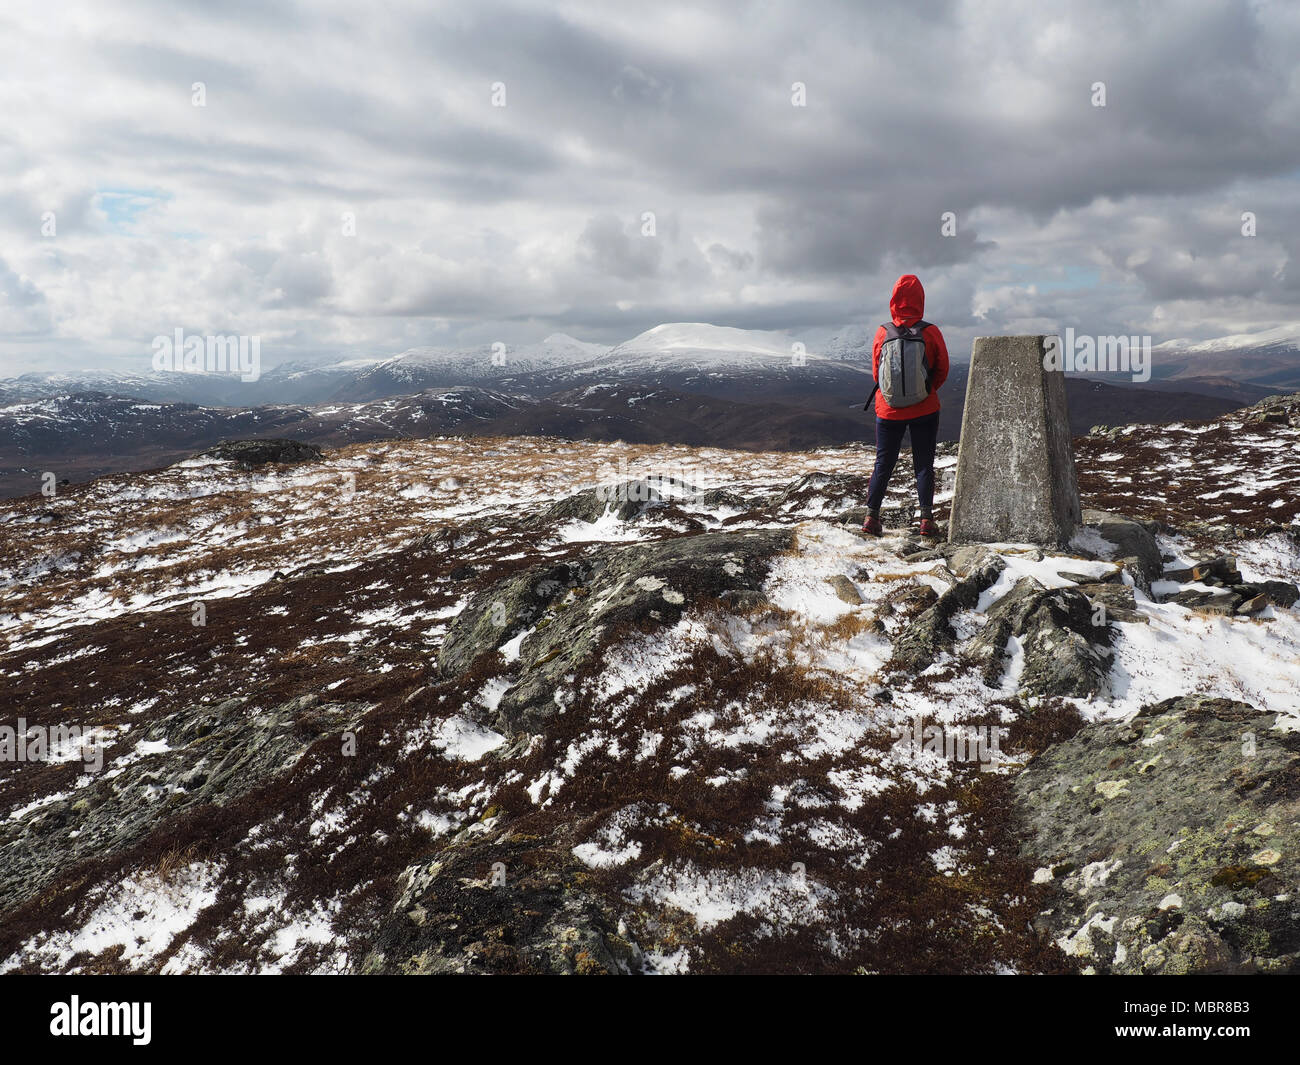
1285,336
699,346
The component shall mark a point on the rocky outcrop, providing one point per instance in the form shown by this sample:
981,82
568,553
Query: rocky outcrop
1173,840
1063,638
207,754
1133,545
1274,410
496,903
560,616
260,452
931,632
1115,598
1219,588
627,500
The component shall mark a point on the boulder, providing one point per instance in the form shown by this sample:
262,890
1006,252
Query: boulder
1133,544
931,633
260,452
1172,840
1065,652
965,560
1216,570
1117,599
1282,593
1219,602
627,501
845,590
568,612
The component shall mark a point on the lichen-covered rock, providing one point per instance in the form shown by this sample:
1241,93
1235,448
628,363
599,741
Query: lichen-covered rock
259,452
1274,410
1130,541
496,903
627,500
1063,636
1174,840
931,632
1116,599
964,560
845,590
210,754
562,615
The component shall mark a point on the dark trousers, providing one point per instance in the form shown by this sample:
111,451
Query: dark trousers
889,441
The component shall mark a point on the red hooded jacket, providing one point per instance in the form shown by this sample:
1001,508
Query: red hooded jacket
906,306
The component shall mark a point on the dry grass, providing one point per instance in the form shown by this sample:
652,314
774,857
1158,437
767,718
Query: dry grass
175,860
852,624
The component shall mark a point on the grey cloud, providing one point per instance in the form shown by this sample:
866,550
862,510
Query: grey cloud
24,312
16,291
914,109
609,247
298,281
730,257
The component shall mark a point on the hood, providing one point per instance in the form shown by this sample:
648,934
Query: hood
907,301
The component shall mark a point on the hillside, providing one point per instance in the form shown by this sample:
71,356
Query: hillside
677,383
88,434
518,705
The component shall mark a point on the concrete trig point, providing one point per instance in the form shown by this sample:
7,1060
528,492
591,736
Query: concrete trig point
1015,465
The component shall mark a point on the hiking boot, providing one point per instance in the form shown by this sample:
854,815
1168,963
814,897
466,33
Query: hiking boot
929,527
872,527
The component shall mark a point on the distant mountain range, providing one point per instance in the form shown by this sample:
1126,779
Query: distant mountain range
689,383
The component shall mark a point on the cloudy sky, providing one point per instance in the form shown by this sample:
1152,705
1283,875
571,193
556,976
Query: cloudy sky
126,211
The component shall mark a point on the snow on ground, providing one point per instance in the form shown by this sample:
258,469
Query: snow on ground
142,915
1255,660
711,896
1175,652
135,545
461,739
204,529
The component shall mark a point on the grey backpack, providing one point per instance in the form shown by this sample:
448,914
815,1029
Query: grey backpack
903,374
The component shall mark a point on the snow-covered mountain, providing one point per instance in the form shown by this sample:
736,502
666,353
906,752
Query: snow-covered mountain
1285,337
748,388
697,347
557,362
306,381
149,386
1240,364
495,364
294,382
851,343
692,356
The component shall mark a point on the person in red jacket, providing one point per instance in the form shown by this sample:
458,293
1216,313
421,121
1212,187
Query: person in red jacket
920,421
